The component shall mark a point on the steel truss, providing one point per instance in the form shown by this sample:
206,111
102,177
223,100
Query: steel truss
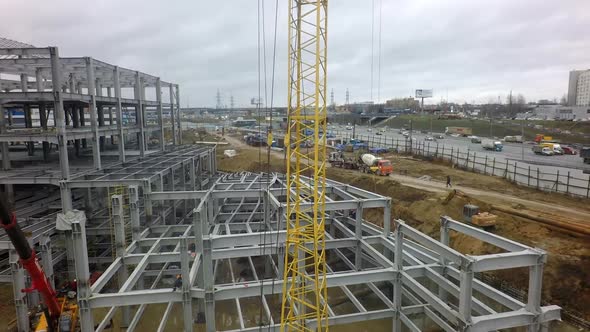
229,249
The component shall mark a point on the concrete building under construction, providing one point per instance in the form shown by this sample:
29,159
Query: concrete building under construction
165,242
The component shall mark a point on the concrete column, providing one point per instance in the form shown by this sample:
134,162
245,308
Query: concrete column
160,113
172,117
93,113
139,112
119,111
187,305
134,212
18,283
60,116
178,115
82,275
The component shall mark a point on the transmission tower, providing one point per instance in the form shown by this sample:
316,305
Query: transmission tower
231,102
218,98
332,98
304,286
347,97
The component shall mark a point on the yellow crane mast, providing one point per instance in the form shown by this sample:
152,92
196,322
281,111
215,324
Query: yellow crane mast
304,303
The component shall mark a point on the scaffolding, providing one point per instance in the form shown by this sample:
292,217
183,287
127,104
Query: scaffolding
231,259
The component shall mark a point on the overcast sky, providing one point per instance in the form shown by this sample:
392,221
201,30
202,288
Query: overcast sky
475,50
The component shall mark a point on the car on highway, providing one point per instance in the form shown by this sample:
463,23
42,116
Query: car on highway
475,139
382,130
569,150
429,138
379,133
543,150
348,127
439,136
369,129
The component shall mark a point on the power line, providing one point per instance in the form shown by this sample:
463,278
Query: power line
379,60
372,43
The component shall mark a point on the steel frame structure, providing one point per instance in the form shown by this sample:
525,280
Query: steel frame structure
306,102
229,248
73,90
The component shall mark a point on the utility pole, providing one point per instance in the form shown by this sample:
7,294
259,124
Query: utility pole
411,129
231,102
522,137
491,124
510,103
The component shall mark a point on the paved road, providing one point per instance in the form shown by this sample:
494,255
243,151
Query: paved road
512,151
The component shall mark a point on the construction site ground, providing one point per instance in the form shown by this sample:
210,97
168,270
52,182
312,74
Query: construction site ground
419,194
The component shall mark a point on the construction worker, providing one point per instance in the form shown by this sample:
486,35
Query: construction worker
449,181
177,282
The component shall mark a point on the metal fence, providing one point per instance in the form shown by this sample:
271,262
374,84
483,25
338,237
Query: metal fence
519,172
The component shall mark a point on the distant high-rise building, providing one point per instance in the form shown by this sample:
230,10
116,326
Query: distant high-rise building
579,88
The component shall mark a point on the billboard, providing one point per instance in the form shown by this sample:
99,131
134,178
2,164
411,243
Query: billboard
421,93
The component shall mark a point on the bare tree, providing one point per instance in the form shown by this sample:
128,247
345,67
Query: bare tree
520,100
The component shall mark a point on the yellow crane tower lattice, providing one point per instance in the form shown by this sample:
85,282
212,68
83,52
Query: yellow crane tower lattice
304,306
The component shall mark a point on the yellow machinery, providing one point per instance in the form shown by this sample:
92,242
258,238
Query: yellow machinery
304,290
68,319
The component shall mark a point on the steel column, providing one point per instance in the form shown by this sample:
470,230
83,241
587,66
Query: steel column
119,111
18,284
58,110
172,117
139,114
160,113
82,275
93,113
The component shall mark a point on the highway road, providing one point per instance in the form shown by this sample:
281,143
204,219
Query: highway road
511,151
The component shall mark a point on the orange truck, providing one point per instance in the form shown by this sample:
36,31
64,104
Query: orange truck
368,163
540,137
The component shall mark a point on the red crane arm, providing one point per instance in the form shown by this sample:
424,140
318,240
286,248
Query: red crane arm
28,259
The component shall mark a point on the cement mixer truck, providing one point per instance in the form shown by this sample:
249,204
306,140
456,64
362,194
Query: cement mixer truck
368,163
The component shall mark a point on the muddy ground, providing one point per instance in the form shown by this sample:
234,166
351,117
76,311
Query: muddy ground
567,272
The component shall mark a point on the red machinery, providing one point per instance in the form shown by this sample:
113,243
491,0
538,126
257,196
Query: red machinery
28,259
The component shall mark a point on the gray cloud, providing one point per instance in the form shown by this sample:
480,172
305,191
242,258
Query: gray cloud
475,50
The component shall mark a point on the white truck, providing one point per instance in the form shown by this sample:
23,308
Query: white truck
368,163
490,144
513,139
